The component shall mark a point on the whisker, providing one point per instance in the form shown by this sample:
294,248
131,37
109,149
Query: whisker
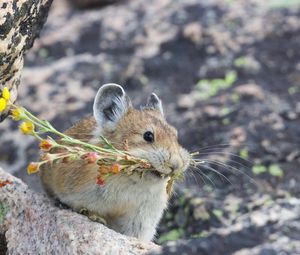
231,169
216,145
200,172
226,153
243,165
191,174
217,172
203,176
220,164
221,145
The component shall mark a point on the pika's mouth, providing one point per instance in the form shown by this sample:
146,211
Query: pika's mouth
158,174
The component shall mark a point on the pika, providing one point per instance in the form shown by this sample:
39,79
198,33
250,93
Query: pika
131,205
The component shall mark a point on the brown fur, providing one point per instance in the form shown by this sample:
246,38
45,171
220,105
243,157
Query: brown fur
135,123
132,205
71,177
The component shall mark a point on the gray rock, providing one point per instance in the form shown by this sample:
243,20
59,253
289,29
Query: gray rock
272,229
20,24
32,225
91,3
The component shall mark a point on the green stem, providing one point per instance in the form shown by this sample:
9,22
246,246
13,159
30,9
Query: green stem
37,136
47,127
34,119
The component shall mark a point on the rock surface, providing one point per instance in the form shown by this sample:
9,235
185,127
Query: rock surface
32,225
270,227
20,24
91,3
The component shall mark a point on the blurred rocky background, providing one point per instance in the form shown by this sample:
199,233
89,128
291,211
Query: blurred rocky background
228,72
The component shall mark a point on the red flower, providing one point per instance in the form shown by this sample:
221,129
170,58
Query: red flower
46,145
100,181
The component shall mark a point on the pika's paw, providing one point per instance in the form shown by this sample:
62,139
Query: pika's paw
93,216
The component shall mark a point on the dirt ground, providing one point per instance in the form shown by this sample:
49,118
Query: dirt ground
228,73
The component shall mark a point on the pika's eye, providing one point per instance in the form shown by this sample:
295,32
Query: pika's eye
149,137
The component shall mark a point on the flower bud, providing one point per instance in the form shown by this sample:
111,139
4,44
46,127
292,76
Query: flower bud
6,94
3,104
46,145
104,169
27,127
46,157
90,157
100,181
66,160
17,113
33,167
115,168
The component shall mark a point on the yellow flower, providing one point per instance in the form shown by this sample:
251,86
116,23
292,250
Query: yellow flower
6,94
27,128
17,113
3,104
32,168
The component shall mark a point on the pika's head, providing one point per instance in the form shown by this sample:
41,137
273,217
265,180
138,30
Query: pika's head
146,131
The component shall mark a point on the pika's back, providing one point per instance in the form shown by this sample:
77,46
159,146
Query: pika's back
83,129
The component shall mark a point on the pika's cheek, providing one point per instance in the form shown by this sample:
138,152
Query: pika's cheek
139,153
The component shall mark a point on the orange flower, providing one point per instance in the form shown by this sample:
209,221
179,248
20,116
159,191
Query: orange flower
27,128
46,145
33,167
104,169
115,168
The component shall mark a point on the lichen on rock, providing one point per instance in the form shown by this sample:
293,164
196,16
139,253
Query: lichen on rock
20,24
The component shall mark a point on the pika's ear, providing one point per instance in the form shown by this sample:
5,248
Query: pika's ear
154,103
110,105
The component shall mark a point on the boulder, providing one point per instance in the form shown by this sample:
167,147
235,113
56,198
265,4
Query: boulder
91,3
31,224
20,24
